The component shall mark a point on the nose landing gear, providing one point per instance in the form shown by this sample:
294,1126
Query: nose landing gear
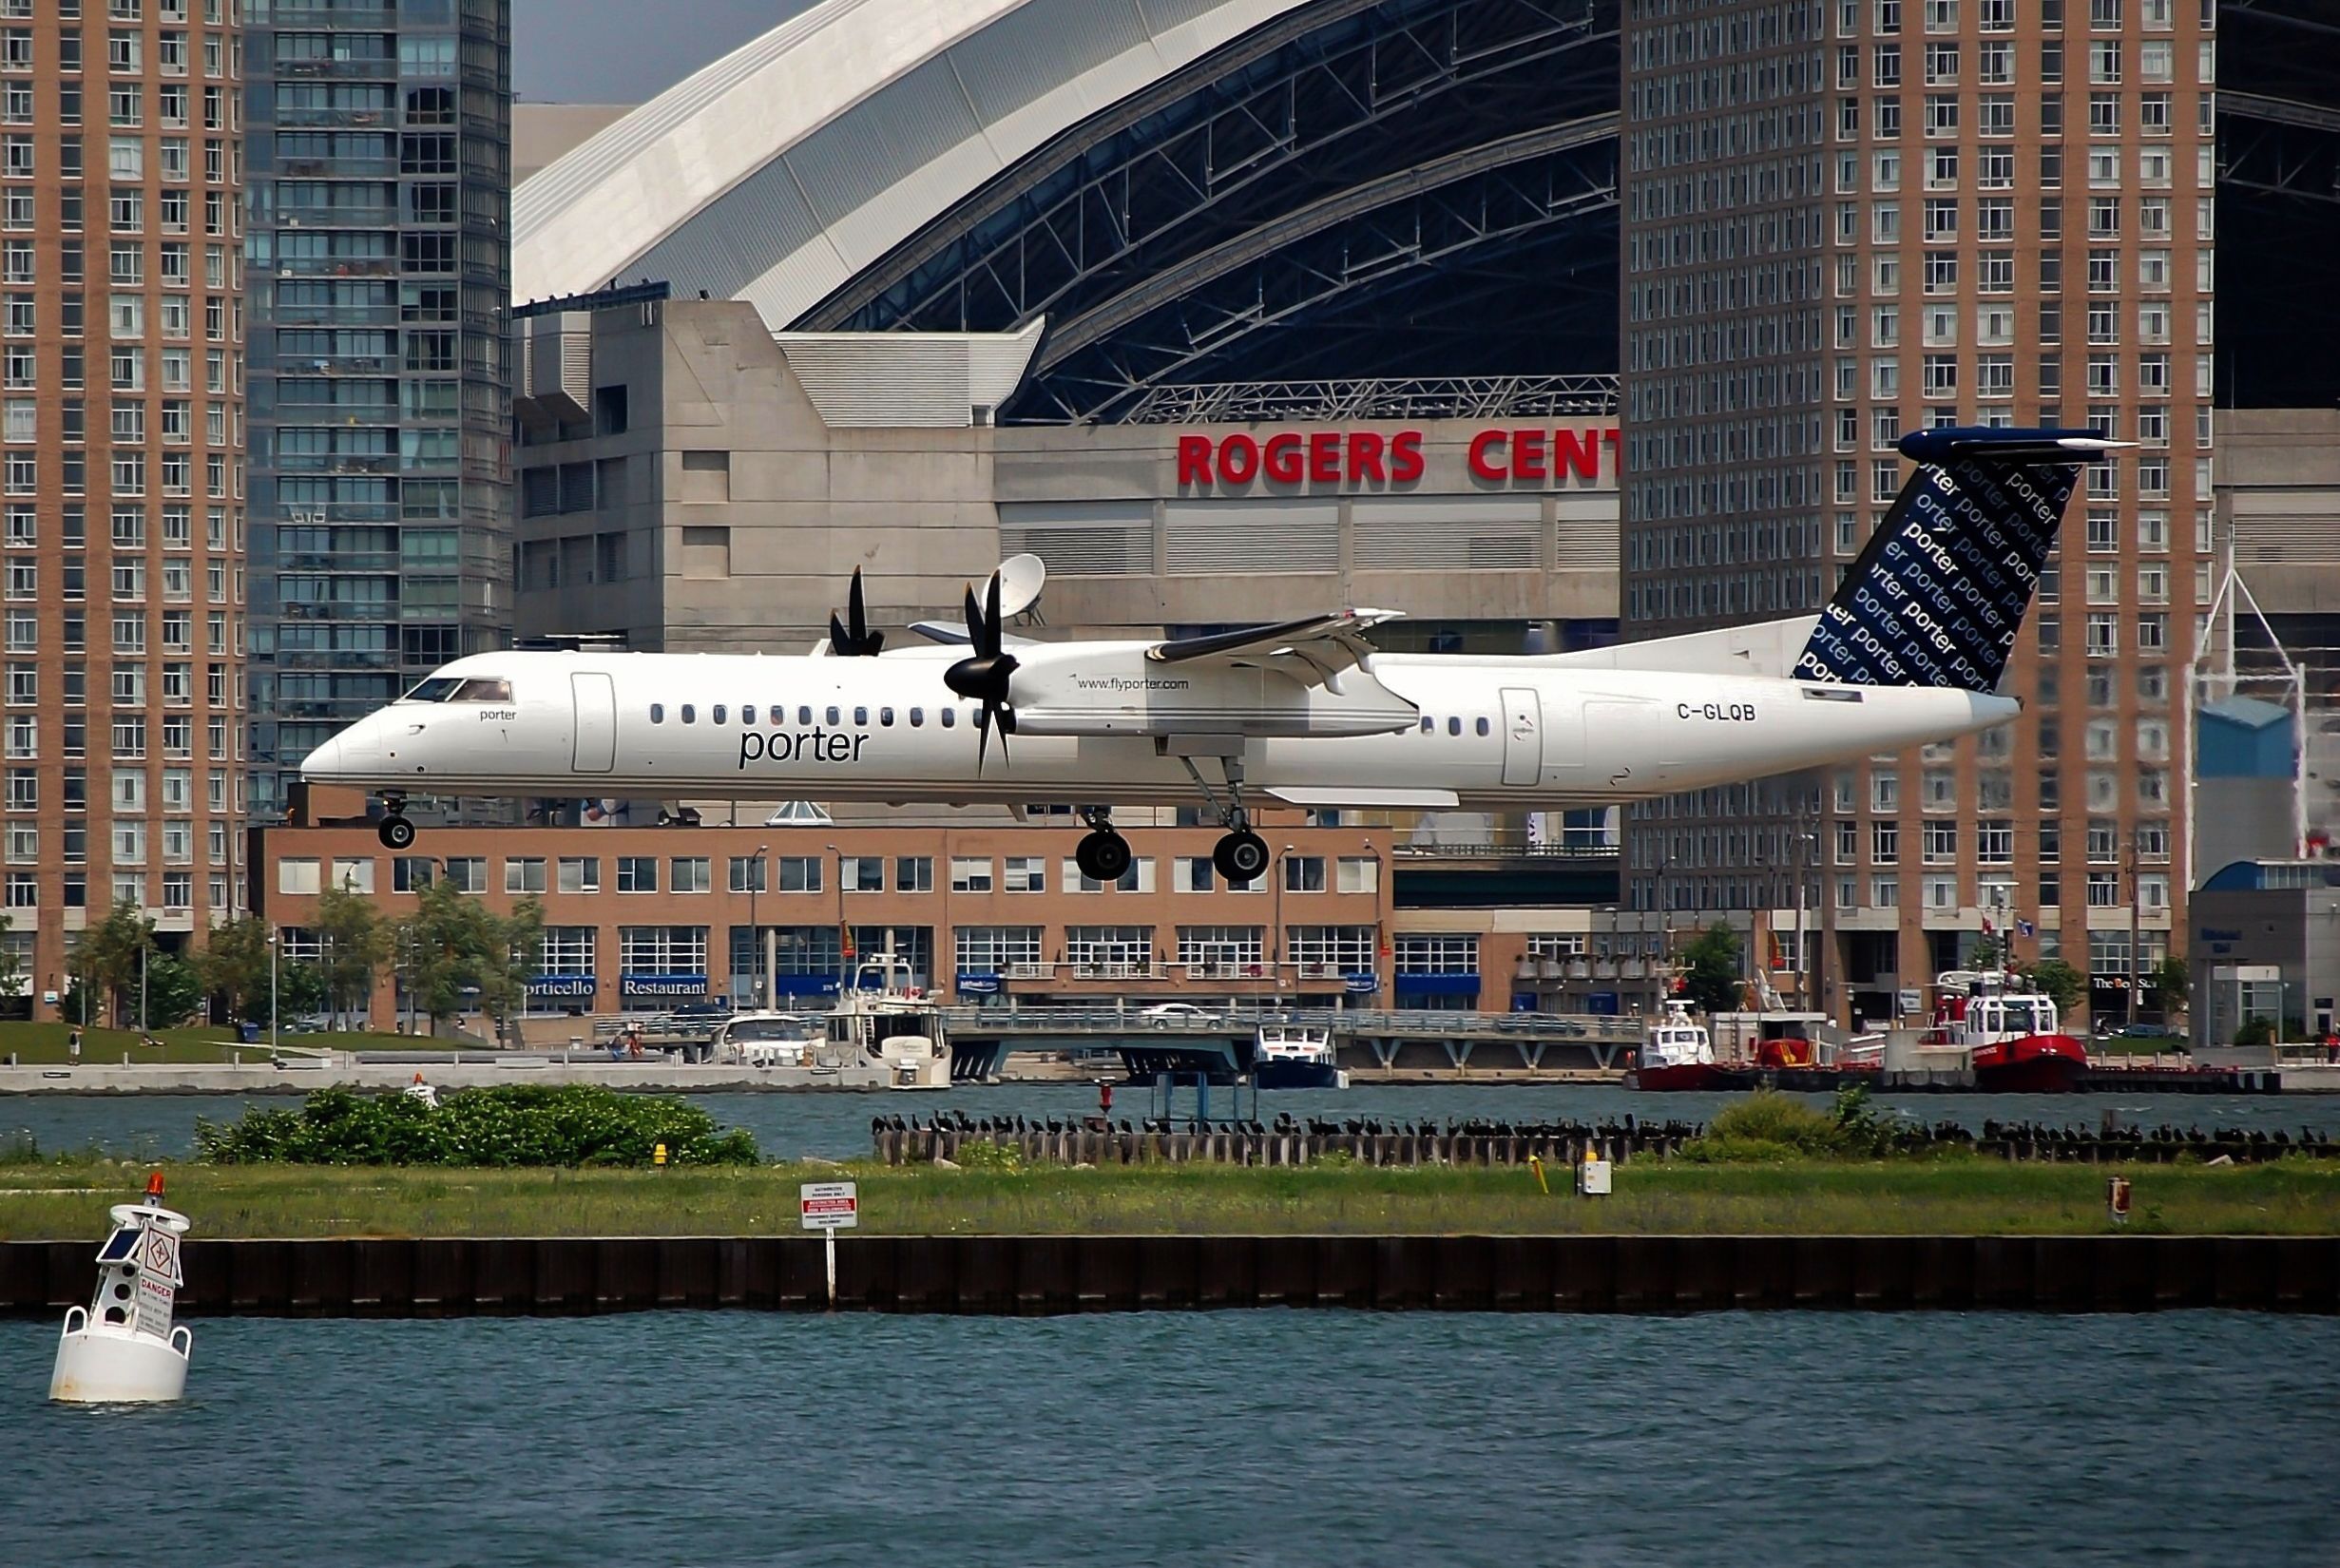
394,831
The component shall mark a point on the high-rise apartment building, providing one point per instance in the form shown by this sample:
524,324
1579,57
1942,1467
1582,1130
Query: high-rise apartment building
1844,218
381,264
121,266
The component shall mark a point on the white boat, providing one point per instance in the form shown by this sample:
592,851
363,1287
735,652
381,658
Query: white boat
1294,1056
882,1018
1677,1040
768,1039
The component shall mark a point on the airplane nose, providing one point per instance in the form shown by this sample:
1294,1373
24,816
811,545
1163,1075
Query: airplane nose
324,764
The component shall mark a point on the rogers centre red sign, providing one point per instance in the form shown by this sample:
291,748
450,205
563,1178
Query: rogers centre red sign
1318,457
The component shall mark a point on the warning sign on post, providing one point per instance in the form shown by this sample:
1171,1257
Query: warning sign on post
829,1205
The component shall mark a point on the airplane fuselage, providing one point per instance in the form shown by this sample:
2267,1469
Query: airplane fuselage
1486,732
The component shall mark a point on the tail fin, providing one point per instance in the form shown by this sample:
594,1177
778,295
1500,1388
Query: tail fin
1939,594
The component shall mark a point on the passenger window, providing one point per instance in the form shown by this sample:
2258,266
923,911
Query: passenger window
690,714
1428,723
951,717
658,713
885,717
484,691
747,713
861,716
1454,726
917,717
833,716
804,715
1482,724
717,714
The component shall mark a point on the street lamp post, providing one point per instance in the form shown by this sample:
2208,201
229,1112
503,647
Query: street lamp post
844,938
143,949
273,1008
755,933
1275,938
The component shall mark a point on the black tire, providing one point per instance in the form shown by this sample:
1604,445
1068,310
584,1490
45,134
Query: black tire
1103,856
395,833
1241,859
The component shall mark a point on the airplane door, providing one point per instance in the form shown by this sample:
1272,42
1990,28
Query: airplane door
1523,736
596,698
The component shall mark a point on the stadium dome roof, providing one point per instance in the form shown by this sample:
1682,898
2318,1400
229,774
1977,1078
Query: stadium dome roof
1178,187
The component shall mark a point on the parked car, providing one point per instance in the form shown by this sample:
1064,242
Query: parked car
1165,1015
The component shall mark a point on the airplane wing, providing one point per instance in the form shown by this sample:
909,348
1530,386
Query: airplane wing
1327,645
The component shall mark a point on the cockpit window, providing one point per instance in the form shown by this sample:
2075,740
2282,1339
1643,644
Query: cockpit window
437,689
483,689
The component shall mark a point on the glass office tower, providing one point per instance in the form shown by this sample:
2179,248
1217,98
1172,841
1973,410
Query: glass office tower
380,154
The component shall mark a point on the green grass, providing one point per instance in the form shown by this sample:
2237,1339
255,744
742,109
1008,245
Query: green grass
43,1045
66,1196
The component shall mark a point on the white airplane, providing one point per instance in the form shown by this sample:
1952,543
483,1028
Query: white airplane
1307,713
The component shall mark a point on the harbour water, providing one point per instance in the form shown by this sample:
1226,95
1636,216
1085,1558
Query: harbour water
836,1126
1256,1438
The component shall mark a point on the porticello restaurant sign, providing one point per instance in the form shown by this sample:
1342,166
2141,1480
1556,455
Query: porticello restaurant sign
1506,457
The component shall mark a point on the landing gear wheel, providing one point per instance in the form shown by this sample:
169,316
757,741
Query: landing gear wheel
395,833
1102,856
1240,857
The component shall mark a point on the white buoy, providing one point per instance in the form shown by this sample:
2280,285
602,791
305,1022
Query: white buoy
121,1349
422,1091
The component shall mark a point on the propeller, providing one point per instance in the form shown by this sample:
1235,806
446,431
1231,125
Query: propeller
851,637
984,675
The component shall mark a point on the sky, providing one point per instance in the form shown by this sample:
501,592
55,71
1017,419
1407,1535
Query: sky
626,51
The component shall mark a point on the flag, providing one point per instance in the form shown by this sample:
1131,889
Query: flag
2024,927
1988,930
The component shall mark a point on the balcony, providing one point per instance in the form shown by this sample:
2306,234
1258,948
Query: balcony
1220,971
336,71
1114,971
1033,971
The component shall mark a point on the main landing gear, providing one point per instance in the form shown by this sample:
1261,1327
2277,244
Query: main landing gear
1102,854
394,831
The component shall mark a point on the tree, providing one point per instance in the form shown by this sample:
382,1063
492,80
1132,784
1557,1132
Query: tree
301,988
504,972
2170,981
456,952
174,991
233,965
2059,981
106,958
1710,970
1986,953
2256,1030
11,965
356,941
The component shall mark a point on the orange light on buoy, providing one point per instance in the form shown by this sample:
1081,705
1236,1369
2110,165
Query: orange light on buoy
154,1187
418,1077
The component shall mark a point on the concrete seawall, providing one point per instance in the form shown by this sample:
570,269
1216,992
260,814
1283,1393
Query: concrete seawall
371,1277
262,1079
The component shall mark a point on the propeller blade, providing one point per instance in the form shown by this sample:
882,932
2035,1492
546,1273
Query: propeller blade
994,623
982,734
856,611
974,623
851,636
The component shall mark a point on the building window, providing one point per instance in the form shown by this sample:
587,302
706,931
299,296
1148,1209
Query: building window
690,874
971,874
637,873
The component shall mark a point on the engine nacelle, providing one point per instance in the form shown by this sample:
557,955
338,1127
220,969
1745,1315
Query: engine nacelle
1098,689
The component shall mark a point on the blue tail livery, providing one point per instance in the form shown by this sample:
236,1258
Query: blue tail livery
1939,594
